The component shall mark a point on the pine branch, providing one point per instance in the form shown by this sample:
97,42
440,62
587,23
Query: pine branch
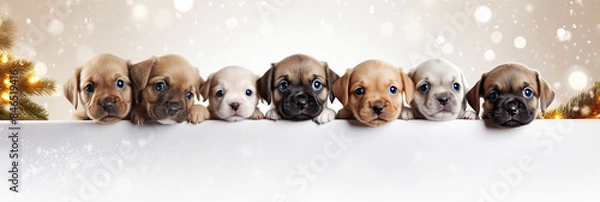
8,31
42,87
584,105
29,110
4,114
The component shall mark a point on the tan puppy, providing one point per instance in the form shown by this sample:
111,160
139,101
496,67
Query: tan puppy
231,94
440,89
371,92
298,85
513,95
164,89
100,89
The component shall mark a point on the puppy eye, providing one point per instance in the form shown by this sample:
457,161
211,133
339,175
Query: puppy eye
424,87
493,95
189,95
160,86
120,84
393,90
359,91
248,92
283,85
89,88
456,86
317,85
220,93
527,93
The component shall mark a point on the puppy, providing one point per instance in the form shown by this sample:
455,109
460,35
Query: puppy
164,91
371,93
231,94
440,89
298,86
513,95
100,89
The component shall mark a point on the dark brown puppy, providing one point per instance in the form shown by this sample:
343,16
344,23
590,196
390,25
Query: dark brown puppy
298,86
372,92
164,91
100,89
513,95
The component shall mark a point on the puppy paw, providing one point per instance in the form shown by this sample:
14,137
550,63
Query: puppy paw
325,117
198,113
257,115
407,114
272,114
138,116
470,115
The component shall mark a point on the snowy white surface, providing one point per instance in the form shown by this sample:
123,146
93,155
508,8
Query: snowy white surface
548,160
558,38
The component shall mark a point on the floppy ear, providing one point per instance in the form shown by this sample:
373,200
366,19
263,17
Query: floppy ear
474,95
71,88
200,83
546,92
331,78
264,84
204,89
340,87
465,86
139,74
409,86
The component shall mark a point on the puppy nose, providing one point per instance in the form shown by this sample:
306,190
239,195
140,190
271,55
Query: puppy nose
301,104
443,100
235,106
108,106
512,108
173,108
378,109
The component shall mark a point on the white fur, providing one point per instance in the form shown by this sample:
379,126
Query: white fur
167,121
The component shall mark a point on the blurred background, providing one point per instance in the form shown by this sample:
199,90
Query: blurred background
559,38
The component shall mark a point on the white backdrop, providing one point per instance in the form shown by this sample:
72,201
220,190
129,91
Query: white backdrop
548,160
559,38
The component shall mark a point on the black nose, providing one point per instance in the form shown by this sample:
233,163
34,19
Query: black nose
378,109
512,108
235,106
108,106
443,100
173,108
301,104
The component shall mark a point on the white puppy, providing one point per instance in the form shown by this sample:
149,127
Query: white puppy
440,89
231,94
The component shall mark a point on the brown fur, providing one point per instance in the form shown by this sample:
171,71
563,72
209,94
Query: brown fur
180,78
510,78
375,77
102,72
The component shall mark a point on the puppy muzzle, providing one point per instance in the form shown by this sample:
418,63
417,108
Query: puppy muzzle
299,106
512,111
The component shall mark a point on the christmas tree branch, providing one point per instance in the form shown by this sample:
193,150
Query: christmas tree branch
8,31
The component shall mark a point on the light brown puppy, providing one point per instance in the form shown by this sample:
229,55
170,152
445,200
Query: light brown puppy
513,95
440,89
371,93
231,94
164,91
299,86
100,89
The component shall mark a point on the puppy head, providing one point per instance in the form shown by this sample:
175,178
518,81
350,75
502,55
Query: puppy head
165,86
100,89
231,93
372,91
298,86
440,89
512,94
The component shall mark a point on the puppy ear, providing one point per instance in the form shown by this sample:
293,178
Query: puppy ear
340,87
140,72
409,87
200,83
331,78
546,92
465,88
204,89
474,95
71,88
264,84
